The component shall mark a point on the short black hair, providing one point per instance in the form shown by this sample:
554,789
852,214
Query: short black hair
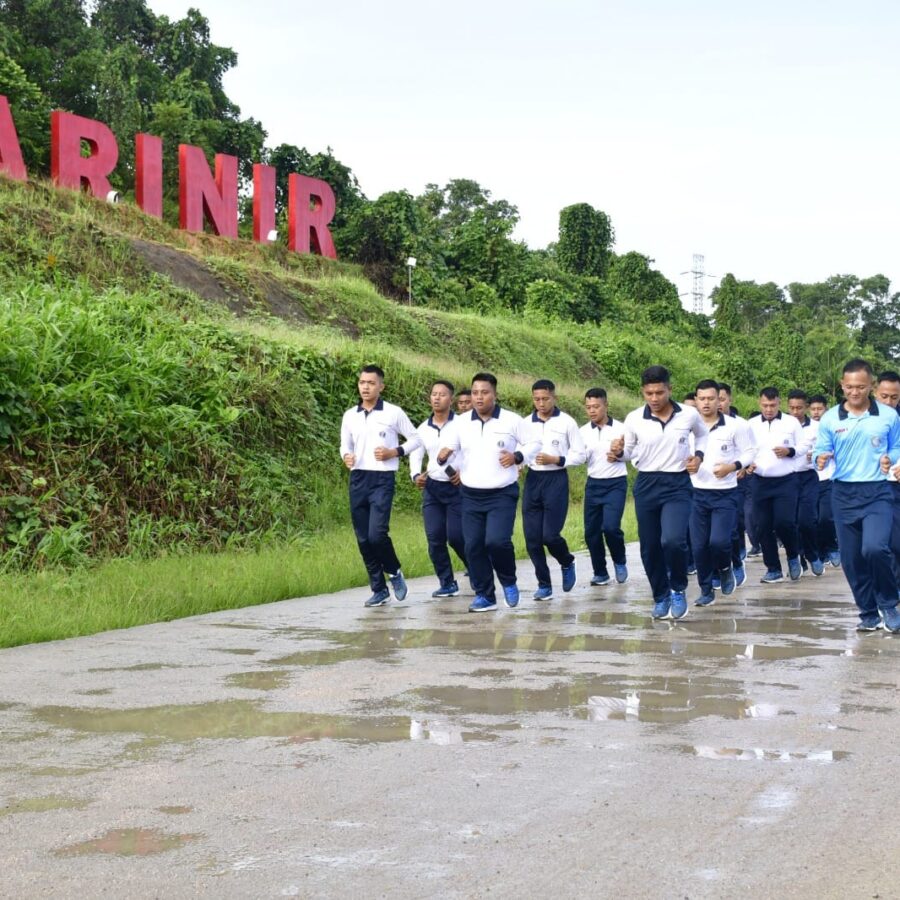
724,386
544,384
655,375
706,384
485,376
857,364
821,398
444,383
464,391
797,394
595,393
373,370
770,393
690,395
887,376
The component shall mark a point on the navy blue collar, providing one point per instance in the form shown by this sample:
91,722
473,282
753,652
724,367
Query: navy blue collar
536,418
494,415
378,405
776,416
439,427
805,422
649,415
842,409
719,422
609,421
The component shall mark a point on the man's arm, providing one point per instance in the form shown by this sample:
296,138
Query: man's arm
577,451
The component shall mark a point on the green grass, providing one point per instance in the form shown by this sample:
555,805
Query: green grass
56,604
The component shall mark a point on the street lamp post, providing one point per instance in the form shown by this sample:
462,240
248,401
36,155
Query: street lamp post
410,265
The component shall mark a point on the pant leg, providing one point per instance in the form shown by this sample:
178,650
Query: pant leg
361,485
533,525
895,531
826,534
453,511
648,510
556,509
808,514
594,512
674,515
501,519
722,528
474,524
750,510
878,557
764,518
700,522
848,524
616,493
785,514
434,512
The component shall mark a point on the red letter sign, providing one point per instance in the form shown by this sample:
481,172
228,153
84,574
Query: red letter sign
200,196
263,202
11,163
308,227
68,167
148,187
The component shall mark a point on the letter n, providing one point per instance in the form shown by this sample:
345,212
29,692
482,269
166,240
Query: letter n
311,208
11,163
68,168
148,186
202,197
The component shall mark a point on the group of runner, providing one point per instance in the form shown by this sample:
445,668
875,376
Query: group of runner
820,482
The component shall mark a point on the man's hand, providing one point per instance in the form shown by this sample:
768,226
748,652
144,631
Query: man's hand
692,464
349,460
749,470
455,479
444,455
885,463
782,452
507,459
420,480
723,469
617,446
382,454
822,460
546,459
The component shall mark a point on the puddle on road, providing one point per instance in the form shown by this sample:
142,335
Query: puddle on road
670,700
95,692
229,719
237,651
265,680
175,810
140,667
129,842
759,753
42,804
382,644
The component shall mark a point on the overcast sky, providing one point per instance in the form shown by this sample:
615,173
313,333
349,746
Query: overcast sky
763,135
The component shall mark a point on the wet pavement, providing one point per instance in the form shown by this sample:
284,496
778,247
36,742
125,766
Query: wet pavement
312,748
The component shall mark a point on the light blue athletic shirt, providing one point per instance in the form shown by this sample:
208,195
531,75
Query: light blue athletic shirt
859,442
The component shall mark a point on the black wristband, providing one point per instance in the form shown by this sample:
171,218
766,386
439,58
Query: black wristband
400,453
518,457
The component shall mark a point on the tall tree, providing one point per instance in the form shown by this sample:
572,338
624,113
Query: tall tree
586,238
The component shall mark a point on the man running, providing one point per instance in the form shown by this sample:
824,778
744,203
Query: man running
371,451
807,482
862,436
441,497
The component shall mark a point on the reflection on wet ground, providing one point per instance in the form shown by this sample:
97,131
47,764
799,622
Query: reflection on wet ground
758,753
42,804
271,680
129,842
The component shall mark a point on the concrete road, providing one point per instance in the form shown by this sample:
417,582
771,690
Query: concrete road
570,749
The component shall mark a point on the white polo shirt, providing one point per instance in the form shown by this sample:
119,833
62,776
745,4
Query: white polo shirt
434,438
597,440
729,441
481,444
782,431
558,436
362,431
657,446
803,461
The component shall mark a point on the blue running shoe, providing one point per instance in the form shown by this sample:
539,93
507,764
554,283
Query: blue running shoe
753,552
482,604
544,592
740,576
679,605
598,580
511,596
621,573
398,583
772,577
717,583
568,577
662,608
834,557
727,581
869,623
795,570
379,598
891,619
818,567
743,553
705,599
446,590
